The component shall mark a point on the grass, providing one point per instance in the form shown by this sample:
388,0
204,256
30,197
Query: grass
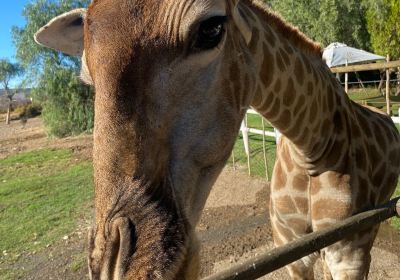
42,194
372,97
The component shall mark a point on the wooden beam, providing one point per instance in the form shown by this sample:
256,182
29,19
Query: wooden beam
280,257
366,67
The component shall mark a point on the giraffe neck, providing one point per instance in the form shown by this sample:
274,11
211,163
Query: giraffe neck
296,91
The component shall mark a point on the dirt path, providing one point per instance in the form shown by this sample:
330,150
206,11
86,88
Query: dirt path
234,226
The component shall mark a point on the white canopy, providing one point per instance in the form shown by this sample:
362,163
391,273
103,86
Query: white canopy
337,54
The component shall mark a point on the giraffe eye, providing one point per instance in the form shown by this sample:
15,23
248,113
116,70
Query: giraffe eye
210,33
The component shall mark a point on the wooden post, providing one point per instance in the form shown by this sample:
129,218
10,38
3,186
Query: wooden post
346,80
265,150
388,106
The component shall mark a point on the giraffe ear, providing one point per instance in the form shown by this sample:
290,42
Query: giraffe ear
239,20
64,33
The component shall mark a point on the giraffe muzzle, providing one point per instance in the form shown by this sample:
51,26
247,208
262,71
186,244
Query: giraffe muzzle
109,256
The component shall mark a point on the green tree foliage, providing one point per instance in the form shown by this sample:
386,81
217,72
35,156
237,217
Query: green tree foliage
383,18
327,21
67,103
8,71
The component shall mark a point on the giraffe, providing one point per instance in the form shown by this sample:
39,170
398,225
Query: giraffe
173,80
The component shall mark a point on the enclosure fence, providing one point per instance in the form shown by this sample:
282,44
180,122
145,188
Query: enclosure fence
255,147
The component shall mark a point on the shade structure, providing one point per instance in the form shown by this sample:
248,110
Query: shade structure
338,54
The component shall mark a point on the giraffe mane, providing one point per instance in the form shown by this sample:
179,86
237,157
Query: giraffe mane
290,32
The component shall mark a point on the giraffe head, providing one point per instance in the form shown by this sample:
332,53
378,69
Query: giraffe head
167,111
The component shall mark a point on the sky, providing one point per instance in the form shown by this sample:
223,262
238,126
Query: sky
10,14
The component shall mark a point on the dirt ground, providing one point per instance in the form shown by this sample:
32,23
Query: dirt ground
234,226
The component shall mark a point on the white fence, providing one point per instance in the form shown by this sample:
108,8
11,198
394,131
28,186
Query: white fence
246,130
275,134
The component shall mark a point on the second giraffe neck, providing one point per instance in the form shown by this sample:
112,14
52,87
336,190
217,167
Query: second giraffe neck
297,93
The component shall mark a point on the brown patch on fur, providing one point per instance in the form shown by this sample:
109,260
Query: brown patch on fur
300,183
279,177
289,93
284,205
302,204
330,208
267,69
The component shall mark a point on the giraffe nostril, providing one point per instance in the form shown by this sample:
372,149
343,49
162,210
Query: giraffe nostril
110,256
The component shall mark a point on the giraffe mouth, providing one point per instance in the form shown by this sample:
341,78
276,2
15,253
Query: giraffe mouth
108,257
144,236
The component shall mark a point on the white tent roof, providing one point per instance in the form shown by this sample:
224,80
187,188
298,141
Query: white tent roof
337,54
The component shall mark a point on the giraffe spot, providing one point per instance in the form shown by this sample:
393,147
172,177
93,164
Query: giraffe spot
362,198
304,137
279,180
389,186
360,159
289,50
377,177
310,89
300,183
330,208
289,162
234,72
379,135
300,103
335,154
285,118
273,112
316,185
267,102
267,68
284,231
289,93
284,56
307,63
244,93
299,226
374,155
330,98
325,125
312,112
284,205
299,71
270,35
276,235
394,158
355,130
255,38
337,121
257,100
279,62
278,86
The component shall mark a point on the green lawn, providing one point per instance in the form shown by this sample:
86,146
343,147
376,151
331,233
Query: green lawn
42,194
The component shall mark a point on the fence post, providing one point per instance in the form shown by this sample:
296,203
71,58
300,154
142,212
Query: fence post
388,106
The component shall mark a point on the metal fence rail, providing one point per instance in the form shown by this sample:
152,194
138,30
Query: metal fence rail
280,257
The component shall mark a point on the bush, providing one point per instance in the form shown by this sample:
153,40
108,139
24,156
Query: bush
67,103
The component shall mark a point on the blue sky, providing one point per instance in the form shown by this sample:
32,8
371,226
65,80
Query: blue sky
10,14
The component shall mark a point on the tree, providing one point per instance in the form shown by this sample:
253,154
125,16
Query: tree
67,103
384,26
327,21
8,71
